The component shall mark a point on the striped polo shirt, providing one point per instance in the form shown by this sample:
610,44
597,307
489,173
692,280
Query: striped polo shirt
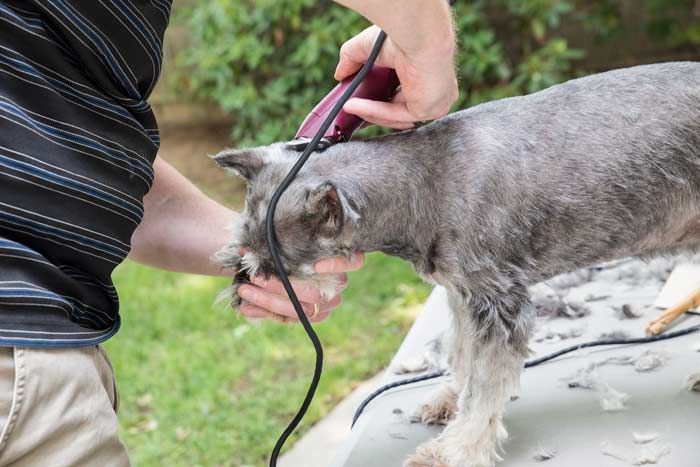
77,144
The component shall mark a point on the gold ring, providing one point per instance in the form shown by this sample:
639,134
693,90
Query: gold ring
316,310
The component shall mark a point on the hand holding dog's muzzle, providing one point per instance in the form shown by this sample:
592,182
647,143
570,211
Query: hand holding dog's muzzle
266,298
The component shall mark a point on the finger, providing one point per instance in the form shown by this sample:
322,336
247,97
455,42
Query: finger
388,124
319,317
343,284
330,305
340,264
255,312
373,111
354,53
345,68
305,291
251,311
393,125
399,96
273,303
325,309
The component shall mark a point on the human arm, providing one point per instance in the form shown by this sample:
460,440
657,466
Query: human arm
182,228
420,46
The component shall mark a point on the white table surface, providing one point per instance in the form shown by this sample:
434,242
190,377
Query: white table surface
548,412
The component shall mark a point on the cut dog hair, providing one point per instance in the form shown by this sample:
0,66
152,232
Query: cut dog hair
486,202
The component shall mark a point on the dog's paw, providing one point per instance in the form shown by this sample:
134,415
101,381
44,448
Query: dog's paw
467,444
427,455
238,280
436,453
230,294
231,260
441,407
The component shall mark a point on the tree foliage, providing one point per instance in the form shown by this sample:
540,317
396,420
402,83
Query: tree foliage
267,62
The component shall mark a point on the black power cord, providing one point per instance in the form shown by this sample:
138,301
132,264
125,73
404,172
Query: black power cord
532,363
274,247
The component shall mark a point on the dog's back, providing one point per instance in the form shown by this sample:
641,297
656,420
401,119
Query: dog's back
596,168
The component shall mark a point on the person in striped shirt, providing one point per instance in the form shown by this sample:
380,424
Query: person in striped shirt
81,188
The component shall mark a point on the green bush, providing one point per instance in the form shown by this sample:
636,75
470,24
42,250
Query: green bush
267,62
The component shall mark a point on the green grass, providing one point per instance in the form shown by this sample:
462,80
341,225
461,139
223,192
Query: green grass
199,386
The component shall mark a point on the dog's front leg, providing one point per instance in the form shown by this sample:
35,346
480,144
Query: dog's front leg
492,355
231,260
440,406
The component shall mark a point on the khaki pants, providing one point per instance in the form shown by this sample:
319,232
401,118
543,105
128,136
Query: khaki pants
58,407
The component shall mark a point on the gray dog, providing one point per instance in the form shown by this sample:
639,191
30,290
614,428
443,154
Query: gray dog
486,202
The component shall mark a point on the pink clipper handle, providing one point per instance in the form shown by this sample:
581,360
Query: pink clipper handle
380,85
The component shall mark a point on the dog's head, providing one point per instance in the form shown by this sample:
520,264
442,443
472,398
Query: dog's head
313,218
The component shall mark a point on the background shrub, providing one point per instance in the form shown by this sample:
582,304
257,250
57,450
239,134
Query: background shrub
267,62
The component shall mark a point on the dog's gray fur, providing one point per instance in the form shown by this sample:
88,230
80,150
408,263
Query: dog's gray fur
488,201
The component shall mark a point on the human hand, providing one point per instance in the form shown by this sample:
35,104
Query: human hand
426,73
267,299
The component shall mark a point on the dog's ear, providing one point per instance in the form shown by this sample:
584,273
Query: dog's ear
329,208
245,163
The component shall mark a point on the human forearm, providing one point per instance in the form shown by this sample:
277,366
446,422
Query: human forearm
413,25
182,228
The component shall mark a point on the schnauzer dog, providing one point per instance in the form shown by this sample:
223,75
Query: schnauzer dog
486,202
